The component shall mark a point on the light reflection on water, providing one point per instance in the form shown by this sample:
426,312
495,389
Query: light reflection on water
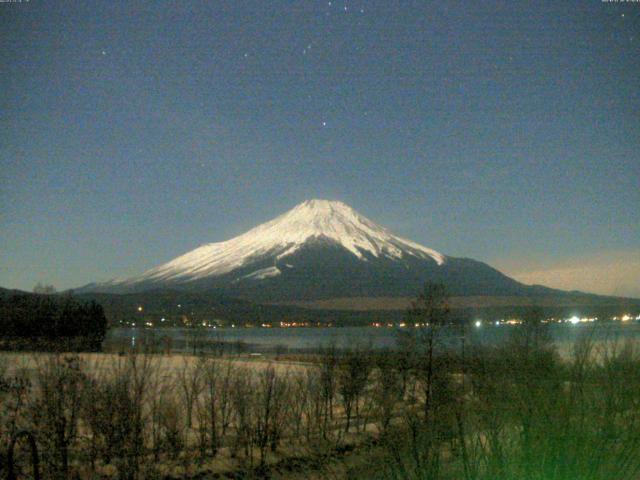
306,339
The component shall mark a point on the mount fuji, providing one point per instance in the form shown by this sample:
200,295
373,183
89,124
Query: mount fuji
320,249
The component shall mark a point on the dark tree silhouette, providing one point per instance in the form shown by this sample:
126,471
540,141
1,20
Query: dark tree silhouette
62,322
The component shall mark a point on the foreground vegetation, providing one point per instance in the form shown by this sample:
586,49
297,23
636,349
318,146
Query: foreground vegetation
516,411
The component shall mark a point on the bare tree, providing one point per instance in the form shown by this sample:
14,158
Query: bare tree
242,398
298,399
431,310
172,426
328,367
269,405
388,389
190,381
214,404
353,375
56,409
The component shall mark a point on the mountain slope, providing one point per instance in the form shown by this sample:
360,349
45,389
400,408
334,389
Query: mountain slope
319,249
284,236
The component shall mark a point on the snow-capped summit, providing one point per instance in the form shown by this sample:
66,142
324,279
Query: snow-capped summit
314,219
342,224
318,249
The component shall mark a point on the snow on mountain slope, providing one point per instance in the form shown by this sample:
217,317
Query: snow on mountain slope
314,219
261,274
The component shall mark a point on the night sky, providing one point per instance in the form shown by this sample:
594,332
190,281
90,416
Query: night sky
132,132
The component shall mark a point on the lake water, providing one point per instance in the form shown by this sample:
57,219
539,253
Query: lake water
262,340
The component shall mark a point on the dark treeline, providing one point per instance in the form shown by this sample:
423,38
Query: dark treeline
34,321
